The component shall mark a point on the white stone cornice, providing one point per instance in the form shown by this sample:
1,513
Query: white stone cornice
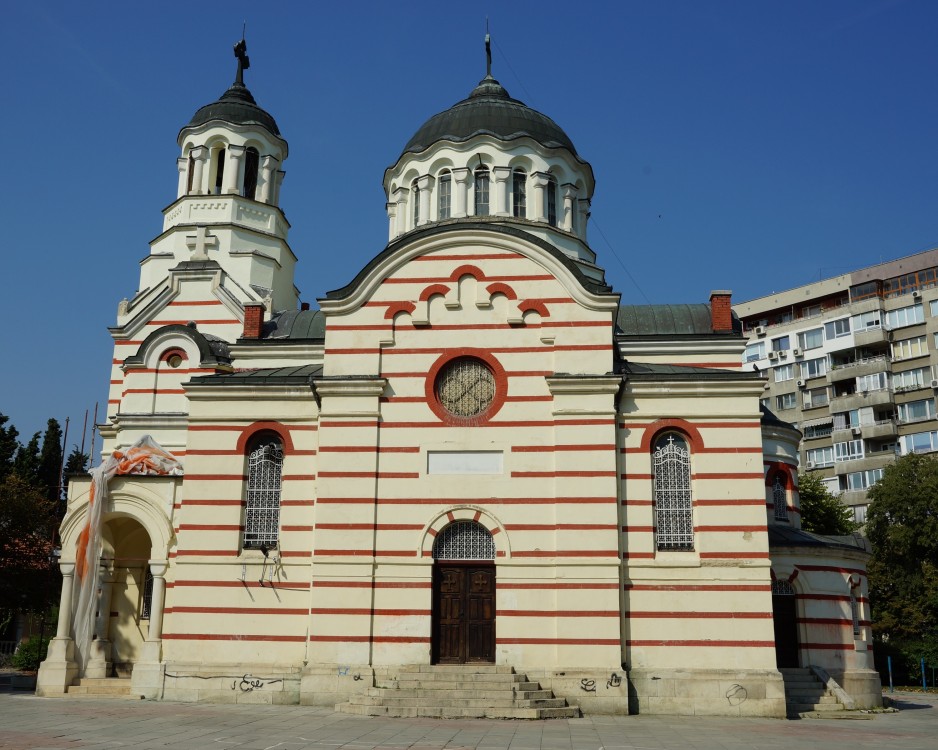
665,388
367,388
584,384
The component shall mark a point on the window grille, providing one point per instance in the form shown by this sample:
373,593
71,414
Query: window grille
780,499
674,525
464,540
782,588
262,512
855,614
146,604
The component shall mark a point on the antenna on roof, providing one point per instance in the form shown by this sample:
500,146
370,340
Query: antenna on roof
241,52
488,50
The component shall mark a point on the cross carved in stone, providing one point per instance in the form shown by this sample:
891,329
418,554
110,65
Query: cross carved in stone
200,242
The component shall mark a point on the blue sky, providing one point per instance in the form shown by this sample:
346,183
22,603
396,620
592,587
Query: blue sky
751,146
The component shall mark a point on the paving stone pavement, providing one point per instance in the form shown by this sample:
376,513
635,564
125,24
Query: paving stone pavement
47,723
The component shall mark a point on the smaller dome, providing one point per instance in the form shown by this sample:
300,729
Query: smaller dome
235,106
489,110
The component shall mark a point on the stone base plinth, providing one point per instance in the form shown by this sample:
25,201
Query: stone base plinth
707,692
59,670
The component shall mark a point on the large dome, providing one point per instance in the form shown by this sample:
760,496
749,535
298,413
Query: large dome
489,110
237,107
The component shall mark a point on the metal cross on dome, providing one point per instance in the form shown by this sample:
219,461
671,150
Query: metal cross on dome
244,62
200,242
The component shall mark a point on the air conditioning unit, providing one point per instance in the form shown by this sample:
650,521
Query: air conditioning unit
799,352
801,384
856,430
760,330
916,294
773,356
934,383
783,354
809,464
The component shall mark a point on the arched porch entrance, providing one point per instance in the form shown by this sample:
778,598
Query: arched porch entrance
463,595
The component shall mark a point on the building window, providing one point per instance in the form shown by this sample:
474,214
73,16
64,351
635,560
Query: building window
867,321
816,430
785,372
519,205
786,401
815,397
855,613
191,175
908,348
755,352
910,380
819,457
919,442
252,161
464,540
837,328
781,344
262,504
811,339
905,316
146,602
415,194
444,195
551,198
814,368
877,381
219,166
848,451
674,524
481,191
780,498
782,588
916,411
859,513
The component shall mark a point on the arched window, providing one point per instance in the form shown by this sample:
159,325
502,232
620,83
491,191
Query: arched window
415,192
674,523
464,540
444,195
482,191
218,164
551,198
780,498
519,182
782,588
191,174
262,501
252,161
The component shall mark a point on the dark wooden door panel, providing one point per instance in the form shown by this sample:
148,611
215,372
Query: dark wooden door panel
463,613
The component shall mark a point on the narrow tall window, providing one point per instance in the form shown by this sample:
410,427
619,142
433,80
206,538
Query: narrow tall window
482,191
191,174
552,202
262,503
674,524
444,193
519,181
415,195
146,602
219,171
780,499
251,164
855,613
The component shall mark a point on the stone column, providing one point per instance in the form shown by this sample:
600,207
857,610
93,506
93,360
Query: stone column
100,659
460,192
502,175
583,214
149,671
233,155
569,199
157,570
182,166
540,180
278,183
424,188
199,157
59,669
392,220
401,195
268,167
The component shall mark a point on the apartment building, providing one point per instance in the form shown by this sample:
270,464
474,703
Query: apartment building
851,361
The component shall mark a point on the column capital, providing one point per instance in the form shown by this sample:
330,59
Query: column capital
501,173
236,151
541,178
67,568
158,567
424,182
199,152
569,190
460,174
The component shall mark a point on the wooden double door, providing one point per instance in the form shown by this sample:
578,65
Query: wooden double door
463,612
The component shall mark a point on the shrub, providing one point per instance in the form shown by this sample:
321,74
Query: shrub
29,655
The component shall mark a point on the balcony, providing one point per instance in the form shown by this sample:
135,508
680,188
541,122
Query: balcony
881,397
858,369
866,463
871,337
884,428
843,434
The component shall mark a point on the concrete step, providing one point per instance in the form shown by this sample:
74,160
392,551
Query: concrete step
460,694
815,707
444,712
458,668
101,687
452,675
463,685
482,703
807,690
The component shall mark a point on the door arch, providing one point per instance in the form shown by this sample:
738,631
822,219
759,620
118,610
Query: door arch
463,594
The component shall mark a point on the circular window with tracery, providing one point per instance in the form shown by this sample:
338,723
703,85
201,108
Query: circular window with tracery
465,387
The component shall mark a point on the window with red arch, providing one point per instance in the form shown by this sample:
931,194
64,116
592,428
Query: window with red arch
671,491
262,494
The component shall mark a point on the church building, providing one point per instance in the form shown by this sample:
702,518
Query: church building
474,462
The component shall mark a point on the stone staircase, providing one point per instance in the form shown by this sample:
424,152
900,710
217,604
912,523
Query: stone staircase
807,697
102,687
460,691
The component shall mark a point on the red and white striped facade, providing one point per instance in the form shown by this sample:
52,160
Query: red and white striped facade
374,469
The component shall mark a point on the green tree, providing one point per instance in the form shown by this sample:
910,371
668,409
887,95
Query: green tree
902,525
26,463
821,512
76,463
49,470
9,444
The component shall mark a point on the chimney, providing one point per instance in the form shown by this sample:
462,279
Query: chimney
721,311
304,306
253,320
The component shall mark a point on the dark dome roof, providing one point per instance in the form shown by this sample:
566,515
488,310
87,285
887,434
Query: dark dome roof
489,110
237,107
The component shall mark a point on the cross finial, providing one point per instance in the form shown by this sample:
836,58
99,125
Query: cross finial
488,50
244,62
200,242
